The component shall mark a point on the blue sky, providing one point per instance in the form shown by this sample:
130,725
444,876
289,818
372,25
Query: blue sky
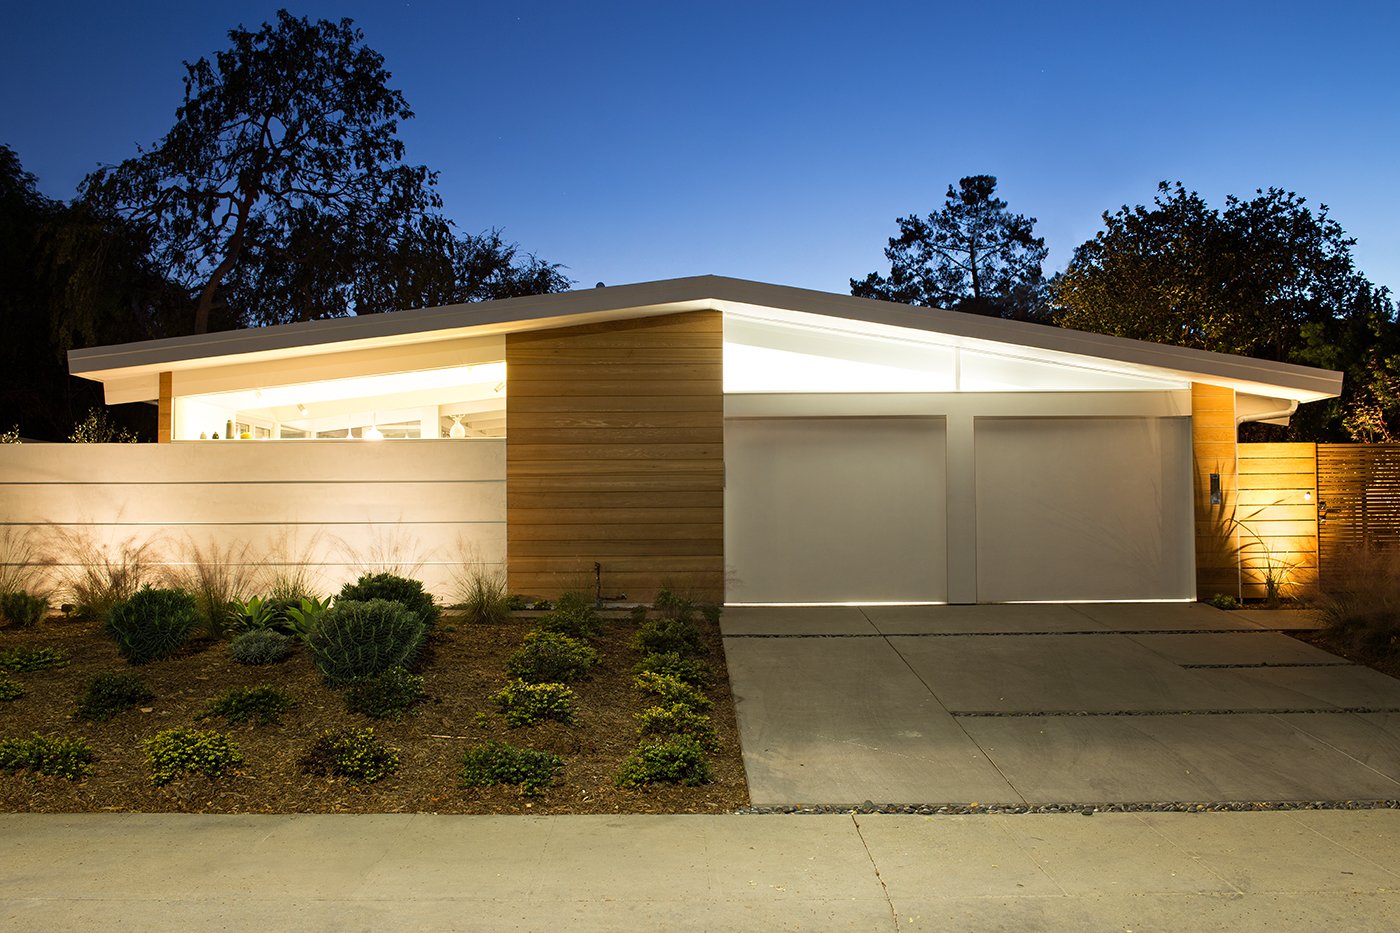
779,141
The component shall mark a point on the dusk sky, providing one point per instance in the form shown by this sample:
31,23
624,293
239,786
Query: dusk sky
779,141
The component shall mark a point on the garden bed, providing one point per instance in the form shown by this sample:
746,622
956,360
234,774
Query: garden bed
464,666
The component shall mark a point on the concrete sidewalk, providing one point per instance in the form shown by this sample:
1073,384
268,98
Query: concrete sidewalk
1152,871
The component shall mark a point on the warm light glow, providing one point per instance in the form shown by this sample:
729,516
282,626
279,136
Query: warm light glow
854,605
372,433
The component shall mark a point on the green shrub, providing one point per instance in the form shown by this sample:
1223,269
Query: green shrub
677,719
23,660
263,704
50,755
711,612
397,589
180,751
22,609
551,658
689,670
111,693
353,640
10,690
389,695
515,602
573,615
153,624
668,635
671,691
499,763
678,759
1223,601
260,646
255,613
483,596
639,614
354,754
524,704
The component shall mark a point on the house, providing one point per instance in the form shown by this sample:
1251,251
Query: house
731,438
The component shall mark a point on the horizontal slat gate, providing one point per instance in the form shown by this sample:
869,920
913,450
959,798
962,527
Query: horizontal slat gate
1360,485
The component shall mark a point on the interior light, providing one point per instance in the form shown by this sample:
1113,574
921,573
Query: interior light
372,433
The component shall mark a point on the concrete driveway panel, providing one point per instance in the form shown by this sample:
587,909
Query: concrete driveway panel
1347,686
1156,617
1235,648
978,620
795,620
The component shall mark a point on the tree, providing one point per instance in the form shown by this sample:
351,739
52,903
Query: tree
281,193
973,255
1267,277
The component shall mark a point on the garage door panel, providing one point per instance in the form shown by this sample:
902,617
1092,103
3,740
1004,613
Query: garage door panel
835,510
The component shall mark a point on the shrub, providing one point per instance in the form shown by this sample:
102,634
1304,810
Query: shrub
524,704
23,660
50,755
255,613
499,763
179,751
573,615
260,646
692,671
101,578
1223,601
354,754
678,759
22,609
668,635
482,595
153,624
711,612
264,704
677,719
10,690
515,602
397,589
301,617
217,576
671,691
672,606
389,695
1361,608
551,658
353,640
111,693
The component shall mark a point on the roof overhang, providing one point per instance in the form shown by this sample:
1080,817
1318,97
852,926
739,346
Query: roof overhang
132,368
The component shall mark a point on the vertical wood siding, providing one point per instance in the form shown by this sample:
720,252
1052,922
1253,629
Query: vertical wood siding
1214,450
1277,518
1361,485
165,413
615,455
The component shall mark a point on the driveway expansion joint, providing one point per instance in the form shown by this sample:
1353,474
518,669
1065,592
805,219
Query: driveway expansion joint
1257,664
1084,809
1278,711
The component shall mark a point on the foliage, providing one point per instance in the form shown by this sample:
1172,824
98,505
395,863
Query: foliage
572,615
659,636
692,671
389,695
671,691
354,754
676,759
1266,277
515,602
174,752
1361,606
499,763
356,639
399,589
101,577
24,659
153,624
264,704
672,605
302,617
482,595
1224,601
260,646
10,436
254,613
678,719
548,657
711,612
22,609
973,255
10,690
51,755
97,427
19,561
218,577
524,703
112,692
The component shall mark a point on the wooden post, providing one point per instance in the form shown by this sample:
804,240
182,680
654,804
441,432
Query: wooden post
1215,467
165,419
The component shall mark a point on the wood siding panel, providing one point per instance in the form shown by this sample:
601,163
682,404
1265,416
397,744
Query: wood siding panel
1360,483
1277,515
615,456
165,411
1213,450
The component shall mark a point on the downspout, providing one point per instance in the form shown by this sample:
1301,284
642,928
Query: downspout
1282,413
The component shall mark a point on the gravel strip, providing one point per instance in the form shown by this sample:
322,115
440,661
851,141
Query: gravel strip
1126,631
1087,809
1214,667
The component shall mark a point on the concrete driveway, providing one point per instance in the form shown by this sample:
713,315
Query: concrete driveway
1053,704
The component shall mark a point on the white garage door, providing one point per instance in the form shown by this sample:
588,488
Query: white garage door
835,510
1084,509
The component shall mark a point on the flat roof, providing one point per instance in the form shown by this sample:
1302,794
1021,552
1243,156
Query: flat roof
124,362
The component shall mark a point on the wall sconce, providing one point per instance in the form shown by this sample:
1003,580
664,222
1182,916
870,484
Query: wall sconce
1307,497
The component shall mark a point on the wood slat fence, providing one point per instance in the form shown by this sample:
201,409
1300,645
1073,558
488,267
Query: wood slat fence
1360,486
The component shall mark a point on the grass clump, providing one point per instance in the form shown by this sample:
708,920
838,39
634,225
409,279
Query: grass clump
353,640
22,609
102,578
671,691
572,615
50,755
111,693
677,759
500,763
217,577
677,719
10,690
524,704
1361,609
390,695
551,658
662,636
482,595
176,752
409,593
22,660
265,705
692,671
354,754
260,646
153,624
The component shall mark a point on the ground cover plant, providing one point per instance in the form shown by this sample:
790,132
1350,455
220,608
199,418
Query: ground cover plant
111,693
390,695
177,752
10,690
524,704
22,609
549,658
260,646
23,658
262,705
354,754
499,763
49,755
675,759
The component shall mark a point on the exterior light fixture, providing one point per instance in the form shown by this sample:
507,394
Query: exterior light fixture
1307,497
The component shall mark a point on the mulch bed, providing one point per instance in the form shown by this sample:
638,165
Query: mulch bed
1329,641
465,665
